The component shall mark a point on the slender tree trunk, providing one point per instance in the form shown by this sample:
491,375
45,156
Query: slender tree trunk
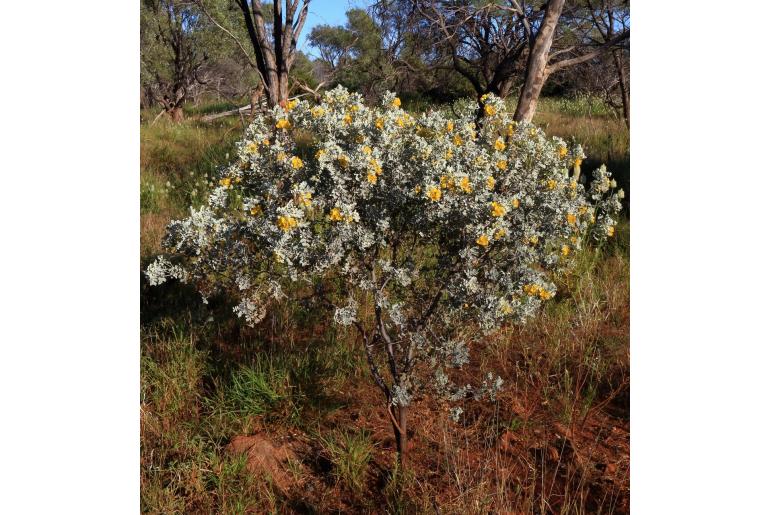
623,89
537,64
399,431
176,114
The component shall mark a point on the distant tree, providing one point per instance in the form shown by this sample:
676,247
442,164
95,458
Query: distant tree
611,17
498,45
173,52
271,31
355,55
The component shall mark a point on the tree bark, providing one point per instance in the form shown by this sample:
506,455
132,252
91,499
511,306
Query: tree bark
176,113
537,63
399,431
623,89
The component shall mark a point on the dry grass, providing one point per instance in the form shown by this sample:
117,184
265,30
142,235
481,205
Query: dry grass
555,441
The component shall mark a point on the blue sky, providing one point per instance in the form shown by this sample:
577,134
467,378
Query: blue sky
326,12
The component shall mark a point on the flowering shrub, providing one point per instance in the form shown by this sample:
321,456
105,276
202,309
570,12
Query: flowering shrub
426,227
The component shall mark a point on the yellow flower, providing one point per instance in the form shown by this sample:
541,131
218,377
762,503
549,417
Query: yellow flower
320,153
490,183
465,184
484,96
482,240
509,130
582,210
396,102
573,185
286,223
379,123
434,194
571,219
533,240
565,250
578,162
266,142
283,124
291,104
450,126
532,132
251,148
515,203
375,166
256,210
500,233
335,215
347,119
573,239
545,295
281,156
417,189
343,161
562,151
502,164
449,154
611,230
371,177
551,184
499,144
353,108
317,111
296,163
457,140
366,150
225,182
490,110
506,308
497,209
303,199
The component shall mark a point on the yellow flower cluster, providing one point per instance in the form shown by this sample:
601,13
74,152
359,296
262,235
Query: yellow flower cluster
490,183
296,163
286,223
396,102
515,203
565,250
291,104
434,194
499,144
571,219
317,111
450,126
347,119
343,161
500,233
283,123
551,184
335,215
497,209
482,240
537,290
251,148
502,164
465,184
256,210
225,182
